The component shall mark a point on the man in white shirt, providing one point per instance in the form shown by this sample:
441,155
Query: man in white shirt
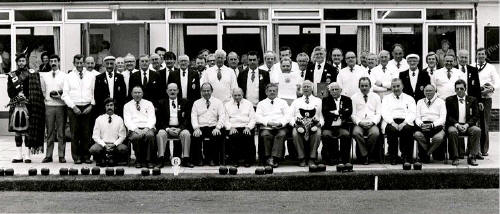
269,61
109,134
272,113
140,119
488,77
289,82
350,75
444,79
207,118
366,112
222,78
52,87
382,75
285,51
90,65
240,122
398,112
78,94
160,51
129,70
398,60
307,120
431,61
430,119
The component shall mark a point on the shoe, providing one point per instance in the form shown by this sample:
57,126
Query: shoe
302,163
88,161
161,162
27,160
187,163
270,161
200,163
111,163
479,157
393,161
311,163
144,165
47,160
138,165
472,161
78,162
455,162
211,163
485,154
366,161
62,160
151,165
17,160
121,163
331,162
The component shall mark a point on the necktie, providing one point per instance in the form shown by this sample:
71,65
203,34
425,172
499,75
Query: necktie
319,66
137,106
109,119
184,73
81,75
413,73
307,100
219,74
366,98
463,69
302,74
272,102
54,74
173,104
145,78
383,69
369,71
461,100
351,69
432,71
428,103
238,104
398,65
208,104
397,97
110,74
253,76
448,74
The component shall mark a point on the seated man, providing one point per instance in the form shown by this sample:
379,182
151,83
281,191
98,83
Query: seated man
398,111
461,119
207,118
366,111
307,120
173,122
272,113
109,134
430,119
240,122
337,110
140,119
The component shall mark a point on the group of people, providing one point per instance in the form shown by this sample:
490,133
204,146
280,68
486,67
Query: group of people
216,106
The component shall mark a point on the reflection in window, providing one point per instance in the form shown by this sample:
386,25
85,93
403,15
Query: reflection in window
189,39
348,38
395,14
347,14
457,37
37,15
33,41
449,14
4,15
491,43
141,14
244,39
89,15
244,14
192,15
4,49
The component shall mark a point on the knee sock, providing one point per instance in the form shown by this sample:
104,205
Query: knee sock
19,153
19,140
27,155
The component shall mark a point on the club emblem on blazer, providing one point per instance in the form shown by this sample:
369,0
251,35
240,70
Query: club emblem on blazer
260,77
421,88
194,85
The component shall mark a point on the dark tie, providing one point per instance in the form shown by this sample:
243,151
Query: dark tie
54,74
137,106
302,73
238,104
463,69
272,102
319,66
145,79
432,71
208,104
398,65
253,76
219,74
366,98
397,97
81,74
461,100
109,119
413,73
351,69
307,100
335,103
110,74
184,73
173,104
448,74
429,103
369,71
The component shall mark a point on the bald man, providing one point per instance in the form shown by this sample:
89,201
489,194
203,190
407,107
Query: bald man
173,122
240,122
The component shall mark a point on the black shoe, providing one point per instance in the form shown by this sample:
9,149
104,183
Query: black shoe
101,164
394,161
455,162
366,161
246,165
111,163
161,162
88,161
187,163
138,165
485,154
270,162
211,163
62,160
472,161
78,162
17,160
151,165
479,157
27,160
302,163
47,160
199,163
311,163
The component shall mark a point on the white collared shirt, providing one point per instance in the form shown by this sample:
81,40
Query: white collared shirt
446,87
402,108
339,66
142,75
488,75
184,83
78,91
173,120
300,103
462,110
111,83
276,110
214,115
240,117
434,69
403,65
224,86
413,78
126,77
369,111
143,118
318,72
348,80
252,94
385,78
49,82
276,70
106,132
436,112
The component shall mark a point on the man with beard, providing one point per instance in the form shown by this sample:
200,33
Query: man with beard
201,65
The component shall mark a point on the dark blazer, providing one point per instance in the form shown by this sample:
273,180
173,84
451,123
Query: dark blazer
473,84
152,90
328,105
471,108
163,80
183,114
263,81
329,72
193,92
423,80
101,92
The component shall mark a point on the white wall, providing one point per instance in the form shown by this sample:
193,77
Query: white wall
158,36
72,45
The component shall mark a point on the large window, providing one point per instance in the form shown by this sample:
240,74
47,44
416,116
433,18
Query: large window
141,14
347,14
448,40
299,37
243,39
244,14
348,38
33,41
491,43
189,39
449,14
38,15
5,49
408,35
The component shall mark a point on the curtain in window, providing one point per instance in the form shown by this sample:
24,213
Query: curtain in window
463,34
363,32
56,16
276,36
176,36
379,38
263,30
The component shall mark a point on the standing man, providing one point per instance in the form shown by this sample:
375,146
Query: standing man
398,111
285,51
109,134
337,110
233,62
272,113
303,61
220,77
413,79
52,84
240,122
490,81
201,65
471,74
350,75
90,65
207,118
371,62
398,60
366,114
306,136
289,82
78,94
148,80
444,79
430,119
173,122
269,61
210,60
160,51
110,84
337,57
461,119
253,81
381,75
129,70
187,80
431,60
140,119
320,71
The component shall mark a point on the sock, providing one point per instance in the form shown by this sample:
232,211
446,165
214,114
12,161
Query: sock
19,153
